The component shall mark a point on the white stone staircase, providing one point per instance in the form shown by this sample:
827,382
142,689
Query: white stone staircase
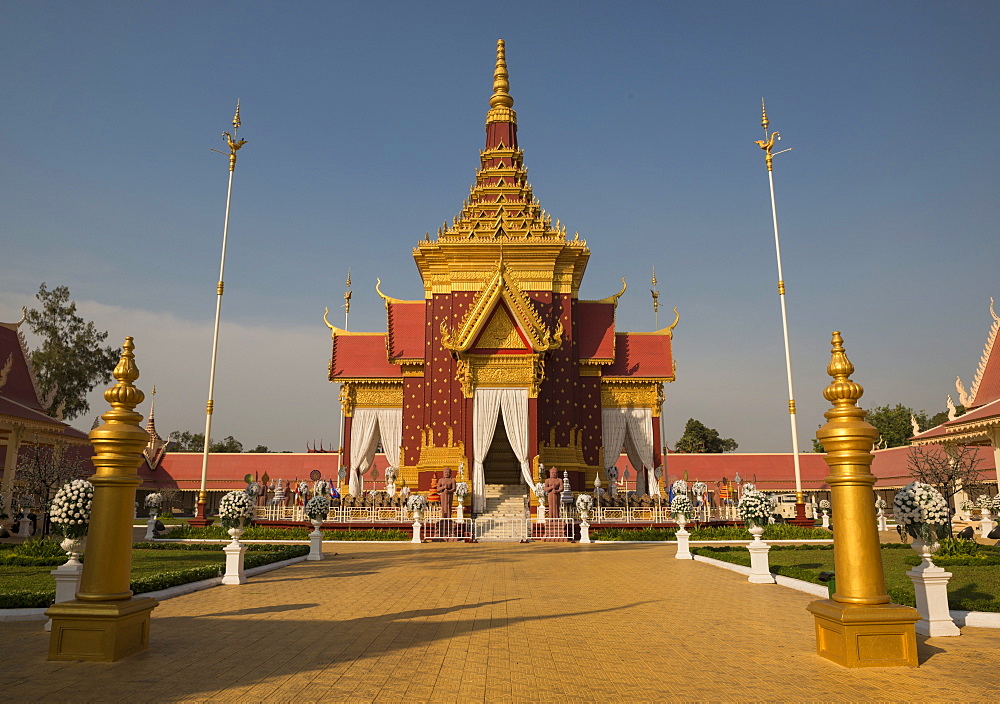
504,516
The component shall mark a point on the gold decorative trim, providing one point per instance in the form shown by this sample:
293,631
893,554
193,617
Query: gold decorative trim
632,394
613,298
370,393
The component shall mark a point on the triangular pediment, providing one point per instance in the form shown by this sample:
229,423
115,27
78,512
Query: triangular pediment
501,293
501,333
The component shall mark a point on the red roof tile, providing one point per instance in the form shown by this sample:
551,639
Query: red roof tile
361,356
406,325
988,389
595,329
18,386
641,355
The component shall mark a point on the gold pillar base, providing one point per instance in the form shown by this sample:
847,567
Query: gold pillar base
101,631
854,635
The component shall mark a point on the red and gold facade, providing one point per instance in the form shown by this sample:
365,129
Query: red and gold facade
501,308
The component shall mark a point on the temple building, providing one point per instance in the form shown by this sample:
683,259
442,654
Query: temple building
502,366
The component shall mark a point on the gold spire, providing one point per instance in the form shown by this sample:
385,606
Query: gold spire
763,120
501,102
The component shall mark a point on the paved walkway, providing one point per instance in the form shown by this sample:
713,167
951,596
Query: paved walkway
492,622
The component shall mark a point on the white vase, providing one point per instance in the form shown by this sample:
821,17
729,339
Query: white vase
930,586
71,546
756,532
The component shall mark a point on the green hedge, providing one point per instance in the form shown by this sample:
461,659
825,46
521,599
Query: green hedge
257,555
272,533
777,531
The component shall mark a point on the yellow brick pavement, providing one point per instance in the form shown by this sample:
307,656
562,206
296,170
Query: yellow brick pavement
459,622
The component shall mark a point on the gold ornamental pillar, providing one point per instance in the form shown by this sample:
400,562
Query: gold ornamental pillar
105,622
858,626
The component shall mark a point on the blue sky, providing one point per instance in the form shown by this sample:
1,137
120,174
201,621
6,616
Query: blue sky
364,122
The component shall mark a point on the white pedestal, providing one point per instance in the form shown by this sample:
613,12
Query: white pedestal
985,526
882,523
461,510
584,532
683,549
235,552
930,583
760,570
67,578
150,529
540,512
826,518
24,528
316,542
416,532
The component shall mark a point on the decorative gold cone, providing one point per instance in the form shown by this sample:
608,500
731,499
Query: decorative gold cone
858,627
105,622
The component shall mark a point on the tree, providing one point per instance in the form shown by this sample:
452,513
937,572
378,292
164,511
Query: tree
699,438
948,471
42,470
894,425
170,495
71,360
195,442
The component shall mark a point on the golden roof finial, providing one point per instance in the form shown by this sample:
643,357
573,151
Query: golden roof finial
124,396
501,102
763,120
501,83
236,118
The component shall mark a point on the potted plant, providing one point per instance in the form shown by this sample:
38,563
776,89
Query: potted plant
236,511
755,510
923,513
70,514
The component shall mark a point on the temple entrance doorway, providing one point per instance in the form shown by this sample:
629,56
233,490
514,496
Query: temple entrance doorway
500,465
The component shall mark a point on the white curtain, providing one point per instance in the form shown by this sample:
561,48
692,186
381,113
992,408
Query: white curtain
485,408
640,431
514,404
390,430
364,439
633,428
613,428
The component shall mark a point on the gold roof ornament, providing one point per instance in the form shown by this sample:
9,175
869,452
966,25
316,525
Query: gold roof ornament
501,102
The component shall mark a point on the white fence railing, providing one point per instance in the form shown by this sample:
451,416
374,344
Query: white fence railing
501,529
447,529
398,514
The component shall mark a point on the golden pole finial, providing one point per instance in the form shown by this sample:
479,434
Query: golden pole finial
763,120
230,139
347,300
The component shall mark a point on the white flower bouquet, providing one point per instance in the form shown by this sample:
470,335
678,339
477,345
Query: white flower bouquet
303,489
967,505
681,504
747,486
983,501
320,488
881,504
236,509
153,502
995,504
679,487
754,508
539,490
317,508
922,512
824,504
461,490
699,488
584,504
70,510
254,489
416,503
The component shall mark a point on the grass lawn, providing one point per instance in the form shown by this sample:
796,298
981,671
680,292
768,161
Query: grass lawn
970,588
144,562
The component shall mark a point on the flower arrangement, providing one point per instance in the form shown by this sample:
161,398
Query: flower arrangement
254,490
681,506
539,490
584,504
390,475
922,512
699,488
461,490
754,508
303,489
236,509
880,504
995,504
824,504
320,488
153,502
70,510
983,502
967,505
747,486
679,487
416,503
317,507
